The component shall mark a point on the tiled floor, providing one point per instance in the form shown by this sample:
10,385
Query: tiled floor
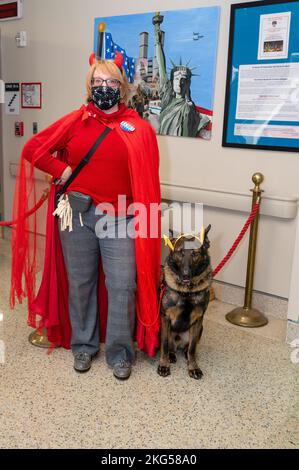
248,397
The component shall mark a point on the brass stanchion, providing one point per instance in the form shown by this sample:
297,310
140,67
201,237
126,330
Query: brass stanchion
248,316
39,340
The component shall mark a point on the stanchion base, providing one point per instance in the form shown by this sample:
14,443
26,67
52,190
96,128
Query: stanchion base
243,316
39,340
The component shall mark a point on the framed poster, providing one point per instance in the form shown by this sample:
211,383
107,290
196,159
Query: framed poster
262,85
31,95
170,59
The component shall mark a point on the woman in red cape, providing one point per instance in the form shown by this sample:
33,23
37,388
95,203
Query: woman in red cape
49,308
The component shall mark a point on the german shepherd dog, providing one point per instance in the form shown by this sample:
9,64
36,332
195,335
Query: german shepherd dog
186,278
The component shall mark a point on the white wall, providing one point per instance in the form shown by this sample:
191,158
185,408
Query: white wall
60,35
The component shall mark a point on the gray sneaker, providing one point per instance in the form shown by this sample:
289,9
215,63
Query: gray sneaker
82,361
122,370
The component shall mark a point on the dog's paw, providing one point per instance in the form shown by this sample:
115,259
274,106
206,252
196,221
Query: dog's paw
164,371
195,374
172,357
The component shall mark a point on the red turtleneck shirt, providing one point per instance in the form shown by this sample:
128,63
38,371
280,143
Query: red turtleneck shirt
107,173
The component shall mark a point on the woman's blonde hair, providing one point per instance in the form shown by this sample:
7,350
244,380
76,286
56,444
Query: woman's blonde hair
110,68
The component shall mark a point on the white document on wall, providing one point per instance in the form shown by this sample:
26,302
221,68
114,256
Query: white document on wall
274,36
267,130
268,92
12,98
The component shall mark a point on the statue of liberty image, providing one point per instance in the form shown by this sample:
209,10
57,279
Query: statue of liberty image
179,115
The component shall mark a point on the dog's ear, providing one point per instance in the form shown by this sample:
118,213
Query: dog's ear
168,242
172,238
203,234
206,243
207,230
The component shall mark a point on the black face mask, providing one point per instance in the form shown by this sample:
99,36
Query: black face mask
105,97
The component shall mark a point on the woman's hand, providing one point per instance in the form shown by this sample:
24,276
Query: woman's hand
66,174
64,177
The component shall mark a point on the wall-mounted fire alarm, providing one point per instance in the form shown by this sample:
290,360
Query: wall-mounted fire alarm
19,128
21,39
10,10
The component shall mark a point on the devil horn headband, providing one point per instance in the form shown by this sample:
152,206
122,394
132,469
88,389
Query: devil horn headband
118,61
92,58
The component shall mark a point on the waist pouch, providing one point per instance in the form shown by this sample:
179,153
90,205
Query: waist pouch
79,202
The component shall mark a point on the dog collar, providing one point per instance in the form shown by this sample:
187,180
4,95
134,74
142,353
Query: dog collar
184,294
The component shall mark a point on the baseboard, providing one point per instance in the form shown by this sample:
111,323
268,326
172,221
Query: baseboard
267,304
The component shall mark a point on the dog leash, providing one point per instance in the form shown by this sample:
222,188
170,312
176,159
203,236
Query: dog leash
149,325
162,287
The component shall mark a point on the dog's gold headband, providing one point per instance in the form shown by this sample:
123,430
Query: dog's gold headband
172,246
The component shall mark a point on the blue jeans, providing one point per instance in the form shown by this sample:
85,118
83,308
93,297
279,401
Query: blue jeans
82,249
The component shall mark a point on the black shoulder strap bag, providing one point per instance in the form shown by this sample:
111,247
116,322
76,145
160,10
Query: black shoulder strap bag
79,201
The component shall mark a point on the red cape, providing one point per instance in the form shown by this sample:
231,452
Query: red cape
51,302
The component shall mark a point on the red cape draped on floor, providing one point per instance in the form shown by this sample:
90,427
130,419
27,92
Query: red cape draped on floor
51,302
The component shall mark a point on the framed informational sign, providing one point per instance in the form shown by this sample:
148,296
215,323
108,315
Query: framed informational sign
262,87
31,95
12,98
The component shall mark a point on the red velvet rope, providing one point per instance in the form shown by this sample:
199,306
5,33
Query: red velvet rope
238,239
34,209
149,325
